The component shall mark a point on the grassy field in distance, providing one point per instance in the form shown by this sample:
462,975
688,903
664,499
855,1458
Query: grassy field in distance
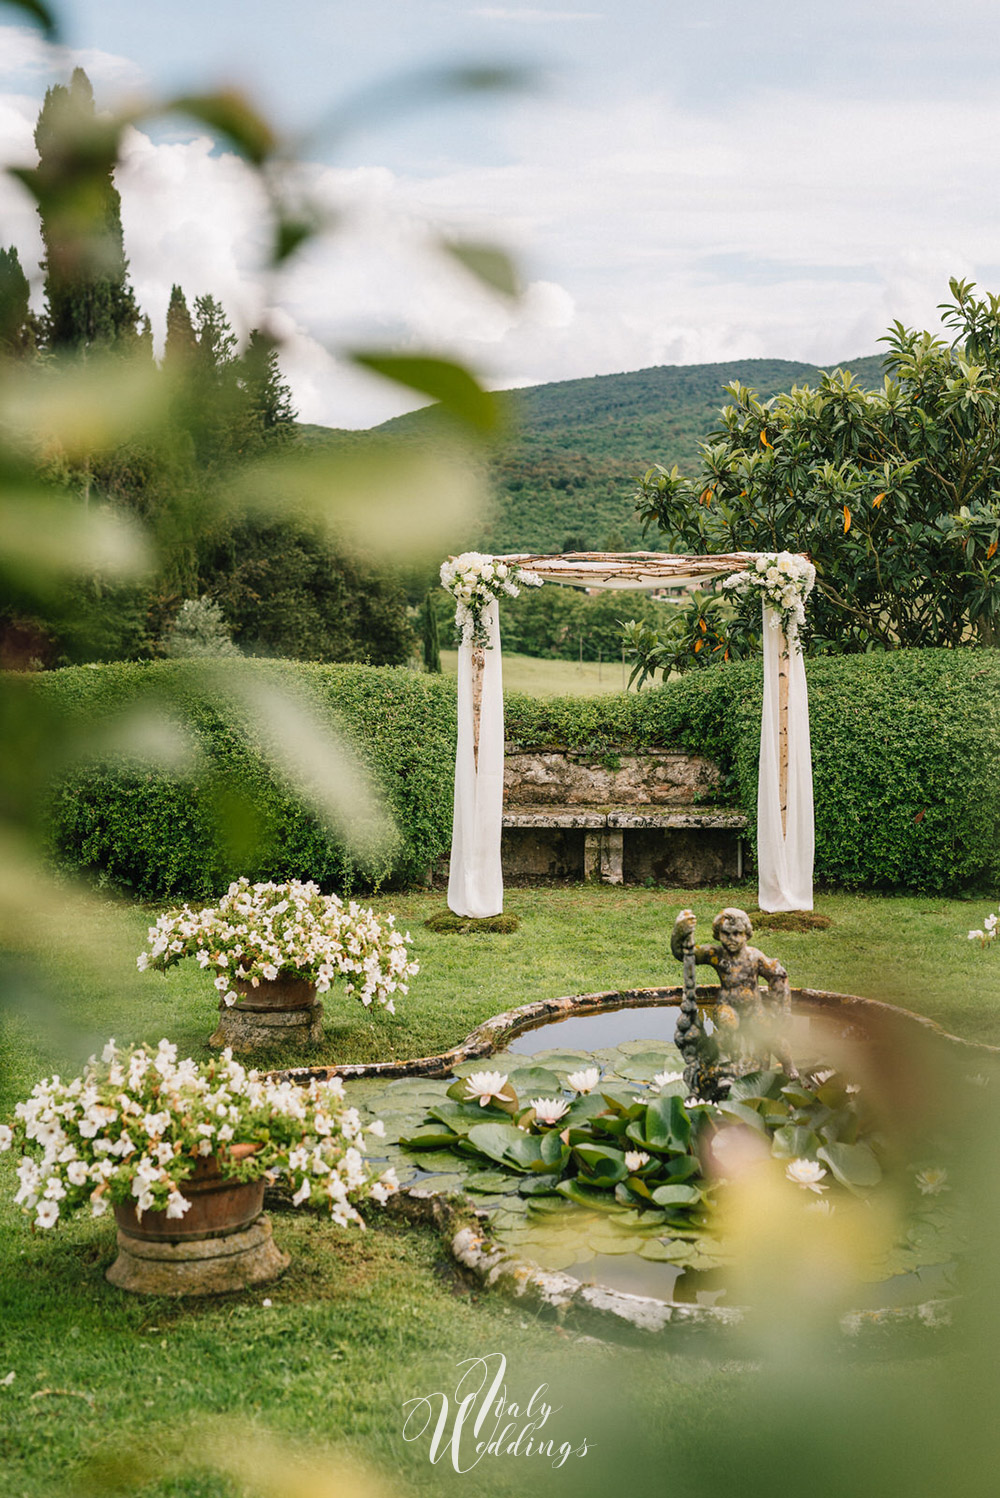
551,678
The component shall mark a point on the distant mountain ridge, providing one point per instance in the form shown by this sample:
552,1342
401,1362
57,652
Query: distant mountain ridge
566,471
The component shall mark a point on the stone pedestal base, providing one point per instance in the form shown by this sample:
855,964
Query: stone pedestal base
603,855
255,1029
203,1266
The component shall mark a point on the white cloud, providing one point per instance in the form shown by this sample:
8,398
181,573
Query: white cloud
794,227
531,16
25,54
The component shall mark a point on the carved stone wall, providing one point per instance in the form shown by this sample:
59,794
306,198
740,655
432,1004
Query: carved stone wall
562,777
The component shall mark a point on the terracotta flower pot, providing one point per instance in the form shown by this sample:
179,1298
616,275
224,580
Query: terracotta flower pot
274,1013
223,1242
282,993
219,1206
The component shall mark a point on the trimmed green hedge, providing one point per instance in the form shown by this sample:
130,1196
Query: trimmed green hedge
129,822
906,755
906,760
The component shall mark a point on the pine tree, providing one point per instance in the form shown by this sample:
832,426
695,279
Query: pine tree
89,299
215,341
269,398
17,321
182,344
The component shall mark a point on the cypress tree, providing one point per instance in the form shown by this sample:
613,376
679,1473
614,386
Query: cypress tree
17,321
432,638
89,299
181,345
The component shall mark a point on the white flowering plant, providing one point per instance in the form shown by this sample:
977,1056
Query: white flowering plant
651,1148
260,932
987,934
134,1127
475,580
783,580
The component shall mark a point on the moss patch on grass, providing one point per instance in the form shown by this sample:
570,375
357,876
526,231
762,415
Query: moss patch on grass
789,920
467,925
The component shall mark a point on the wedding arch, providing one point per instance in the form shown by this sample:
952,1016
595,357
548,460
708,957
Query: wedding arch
785,836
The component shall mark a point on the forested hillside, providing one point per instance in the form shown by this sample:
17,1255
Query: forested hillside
564,476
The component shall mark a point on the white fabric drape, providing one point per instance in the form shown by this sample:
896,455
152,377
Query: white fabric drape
475,880
784,859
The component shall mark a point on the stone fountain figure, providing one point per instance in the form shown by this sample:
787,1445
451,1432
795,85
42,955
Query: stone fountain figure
750,1021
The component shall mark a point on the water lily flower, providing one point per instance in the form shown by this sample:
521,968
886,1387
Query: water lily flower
667,1078
806,1173
584,1081
549,1110
484,1085
932,1181
635,1160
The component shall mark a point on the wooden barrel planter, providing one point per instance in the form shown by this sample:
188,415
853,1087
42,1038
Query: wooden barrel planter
223,1242
273,1013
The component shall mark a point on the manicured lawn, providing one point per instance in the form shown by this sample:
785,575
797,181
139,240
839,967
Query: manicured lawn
542,677
911,951
118,1394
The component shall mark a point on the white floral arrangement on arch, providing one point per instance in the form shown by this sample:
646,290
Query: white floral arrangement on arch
784,581
134,1127
474,581
261,932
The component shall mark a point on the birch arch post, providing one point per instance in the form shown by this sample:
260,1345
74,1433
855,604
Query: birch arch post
785,829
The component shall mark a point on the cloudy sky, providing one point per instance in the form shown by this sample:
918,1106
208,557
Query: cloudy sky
680,183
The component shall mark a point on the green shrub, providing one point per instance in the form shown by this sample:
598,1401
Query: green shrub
906,760
906,755
131,823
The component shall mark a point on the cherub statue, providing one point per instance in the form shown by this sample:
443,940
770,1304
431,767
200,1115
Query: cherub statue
750,1020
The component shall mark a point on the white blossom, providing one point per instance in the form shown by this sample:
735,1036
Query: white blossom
932,1181
806,1173
484,1085
549,1110
47,1213
584,1081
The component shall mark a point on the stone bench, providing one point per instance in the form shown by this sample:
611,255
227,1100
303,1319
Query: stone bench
619,818
699,856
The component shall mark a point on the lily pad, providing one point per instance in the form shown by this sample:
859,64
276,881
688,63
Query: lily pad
566,1061
494,1139
441,1185
657,1251
489,1182
616,1243
534,1081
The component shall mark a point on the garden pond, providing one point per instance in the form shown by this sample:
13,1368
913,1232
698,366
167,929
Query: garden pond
655,1242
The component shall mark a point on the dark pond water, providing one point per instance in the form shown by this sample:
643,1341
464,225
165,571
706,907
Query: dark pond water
595,1032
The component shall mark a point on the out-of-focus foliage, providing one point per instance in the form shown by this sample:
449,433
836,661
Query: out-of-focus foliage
233,802
566,469
122,482
891,492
